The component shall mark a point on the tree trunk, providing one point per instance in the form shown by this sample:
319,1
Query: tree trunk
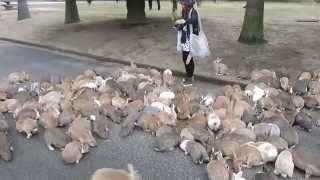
71,12
174,5
136,13
23,10
252,28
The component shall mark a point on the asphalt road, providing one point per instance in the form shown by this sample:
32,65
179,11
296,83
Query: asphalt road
33,161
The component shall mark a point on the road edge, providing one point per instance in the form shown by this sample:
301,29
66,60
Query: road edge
101,59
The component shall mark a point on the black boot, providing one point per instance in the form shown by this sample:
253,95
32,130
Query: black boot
188,81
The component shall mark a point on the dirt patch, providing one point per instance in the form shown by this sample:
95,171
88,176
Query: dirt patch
104,32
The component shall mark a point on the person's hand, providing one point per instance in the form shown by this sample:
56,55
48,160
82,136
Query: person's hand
188,59
180,21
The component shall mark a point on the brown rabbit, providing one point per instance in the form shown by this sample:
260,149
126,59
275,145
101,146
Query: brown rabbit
72,152
27,113
149,122
226,146
118,102
198,121
221,102
28,126
4,127
101,127
167,119
105,99
3,95
115,174
3,107
55,137
247,156
49,119
166,142
80,130
218,169
182,107
66,116
5,147
305,160
136,105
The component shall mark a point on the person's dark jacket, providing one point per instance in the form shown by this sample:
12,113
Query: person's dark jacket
195,26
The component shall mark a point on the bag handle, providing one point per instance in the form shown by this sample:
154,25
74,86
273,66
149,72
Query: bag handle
199,20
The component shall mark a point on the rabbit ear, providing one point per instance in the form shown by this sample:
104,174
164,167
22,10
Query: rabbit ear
234,155
250,126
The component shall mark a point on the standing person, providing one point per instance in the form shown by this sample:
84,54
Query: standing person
189,20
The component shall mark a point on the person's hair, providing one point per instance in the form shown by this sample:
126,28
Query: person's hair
185,11
188,3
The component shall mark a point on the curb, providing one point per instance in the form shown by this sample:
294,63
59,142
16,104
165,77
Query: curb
217,80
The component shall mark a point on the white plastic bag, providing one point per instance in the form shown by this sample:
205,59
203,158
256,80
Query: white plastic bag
199,43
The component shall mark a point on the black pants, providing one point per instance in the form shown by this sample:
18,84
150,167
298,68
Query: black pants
189,67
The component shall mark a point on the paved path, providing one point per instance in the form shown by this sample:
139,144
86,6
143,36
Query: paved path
33,161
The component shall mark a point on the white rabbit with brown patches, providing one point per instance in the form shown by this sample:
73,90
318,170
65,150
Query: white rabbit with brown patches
219,67
167,78
268,151
214,122
284,164
285,84
197,152
238,176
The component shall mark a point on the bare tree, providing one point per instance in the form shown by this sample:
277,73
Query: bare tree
23,10
136,11
252,28
71,12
